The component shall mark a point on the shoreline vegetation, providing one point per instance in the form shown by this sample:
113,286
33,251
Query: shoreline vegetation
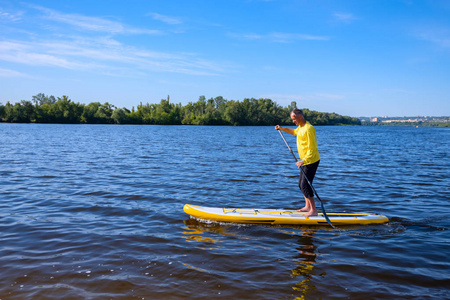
213,111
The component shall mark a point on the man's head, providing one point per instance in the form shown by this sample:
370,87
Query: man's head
297,117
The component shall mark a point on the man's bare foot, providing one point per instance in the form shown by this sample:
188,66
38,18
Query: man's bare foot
304,209
311,214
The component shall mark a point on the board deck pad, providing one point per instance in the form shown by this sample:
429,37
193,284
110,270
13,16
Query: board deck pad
279,216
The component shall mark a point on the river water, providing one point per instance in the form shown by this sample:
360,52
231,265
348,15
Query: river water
96,212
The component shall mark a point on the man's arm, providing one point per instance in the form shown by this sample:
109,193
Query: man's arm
287,130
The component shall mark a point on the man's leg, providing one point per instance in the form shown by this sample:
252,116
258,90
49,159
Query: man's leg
308,194
302,184
312,207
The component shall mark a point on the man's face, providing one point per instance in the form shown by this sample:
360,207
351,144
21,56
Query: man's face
295,119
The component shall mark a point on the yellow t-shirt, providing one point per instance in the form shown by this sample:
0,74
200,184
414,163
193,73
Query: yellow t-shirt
307,144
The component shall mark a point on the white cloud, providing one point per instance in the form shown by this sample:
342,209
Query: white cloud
94,24
344,17
91,48
26,53
438,36
165,19
289,37
10,17
105,56
11,73
434,33
279,37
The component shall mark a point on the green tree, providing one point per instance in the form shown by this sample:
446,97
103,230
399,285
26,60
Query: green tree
167,113
8,112
235,114
145,113
27,111
41,99
121,116
188,114
65,111
88,113
104,113
43,114
292,106
2,112
20,112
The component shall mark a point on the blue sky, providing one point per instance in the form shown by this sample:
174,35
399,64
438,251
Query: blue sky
356,58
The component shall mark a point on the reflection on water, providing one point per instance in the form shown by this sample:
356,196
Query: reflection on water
303,261
197,236
197,231
195,268
304,268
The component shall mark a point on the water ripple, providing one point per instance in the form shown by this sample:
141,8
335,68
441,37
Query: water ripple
95,212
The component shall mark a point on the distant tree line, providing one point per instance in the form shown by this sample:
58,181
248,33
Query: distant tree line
214,111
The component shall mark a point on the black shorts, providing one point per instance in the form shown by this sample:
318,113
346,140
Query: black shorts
310,171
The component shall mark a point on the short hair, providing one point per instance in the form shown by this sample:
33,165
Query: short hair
297,112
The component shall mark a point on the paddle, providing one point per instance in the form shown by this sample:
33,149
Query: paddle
320,201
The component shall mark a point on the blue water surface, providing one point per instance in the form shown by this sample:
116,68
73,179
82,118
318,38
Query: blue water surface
95,212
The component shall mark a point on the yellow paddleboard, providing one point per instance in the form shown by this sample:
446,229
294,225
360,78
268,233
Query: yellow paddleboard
279,216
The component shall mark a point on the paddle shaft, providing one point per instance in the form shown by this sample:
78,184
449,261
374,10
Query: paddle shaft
310,184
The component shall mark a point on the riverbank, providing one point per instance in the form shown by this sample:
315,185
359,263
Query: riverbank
213,111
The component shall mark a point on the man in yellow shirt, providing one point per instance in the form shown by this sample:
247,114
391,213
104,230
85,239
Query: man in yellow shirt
309,157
